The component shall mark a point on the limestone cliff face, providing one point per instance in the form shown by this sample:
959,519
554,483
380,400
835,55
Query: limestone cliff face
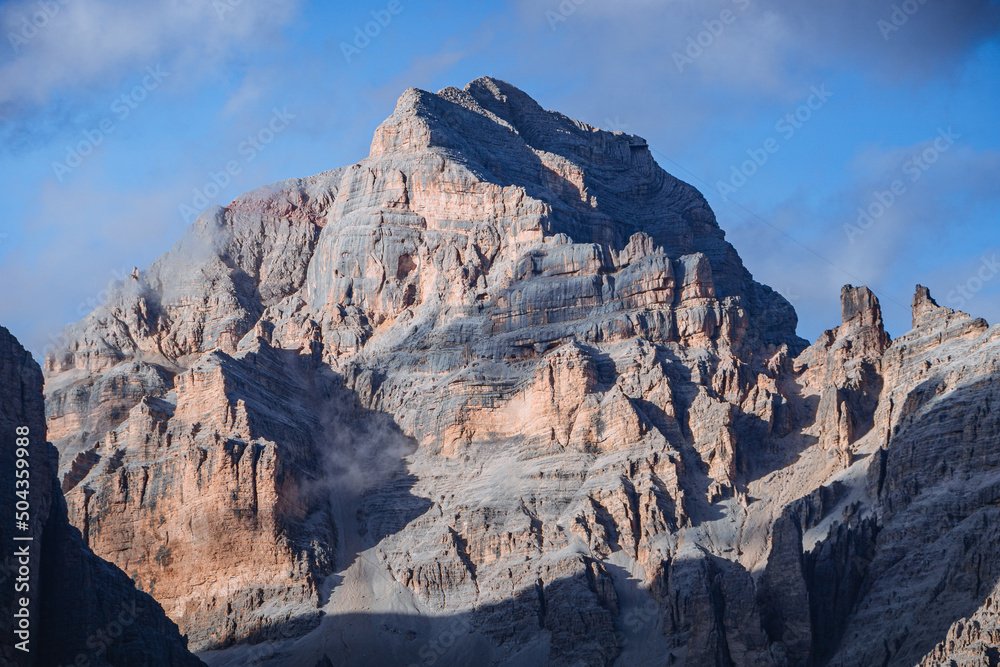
82,609
505,380
935,490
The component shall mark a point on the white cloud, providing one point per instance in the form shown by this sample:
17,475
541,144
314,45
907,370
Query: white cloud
84,45
249,92
938,218
81,236
769,52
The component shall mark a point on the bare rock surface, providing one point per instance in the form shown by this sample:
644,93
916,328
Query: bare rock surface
502,392
970,641
82,609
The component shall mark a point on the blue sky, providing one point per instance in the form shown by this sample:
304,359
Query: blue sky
896,102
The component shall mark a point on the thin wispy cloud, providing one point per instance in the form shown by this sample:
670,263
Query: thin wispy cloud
891,226
87,43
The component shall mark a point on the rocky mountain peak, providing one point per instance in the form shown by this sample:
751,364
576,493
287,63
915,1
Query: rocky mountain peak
862,321
508,371
585,185
929,317
861,304
925,308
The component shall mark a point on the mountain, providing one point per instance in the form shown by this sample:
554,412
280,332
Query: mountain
69,606
503,393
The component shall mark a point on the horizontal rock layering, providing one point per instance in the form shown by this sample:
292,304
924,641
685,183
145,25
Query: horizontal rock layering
82,610
506,380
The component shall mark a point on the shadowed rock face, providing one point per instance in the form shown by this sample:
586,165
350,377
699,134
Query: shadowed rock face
83,610
506,375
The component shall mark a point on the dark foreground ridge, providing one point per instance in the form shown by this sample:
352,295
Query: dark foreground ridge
82,610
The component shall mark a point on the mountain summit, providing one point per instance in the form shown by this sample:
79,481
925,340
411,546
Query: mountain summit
502,393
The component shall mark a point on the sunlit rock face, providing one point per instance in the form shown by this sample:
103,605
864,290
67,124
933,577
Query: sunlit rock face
506,380
59,603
